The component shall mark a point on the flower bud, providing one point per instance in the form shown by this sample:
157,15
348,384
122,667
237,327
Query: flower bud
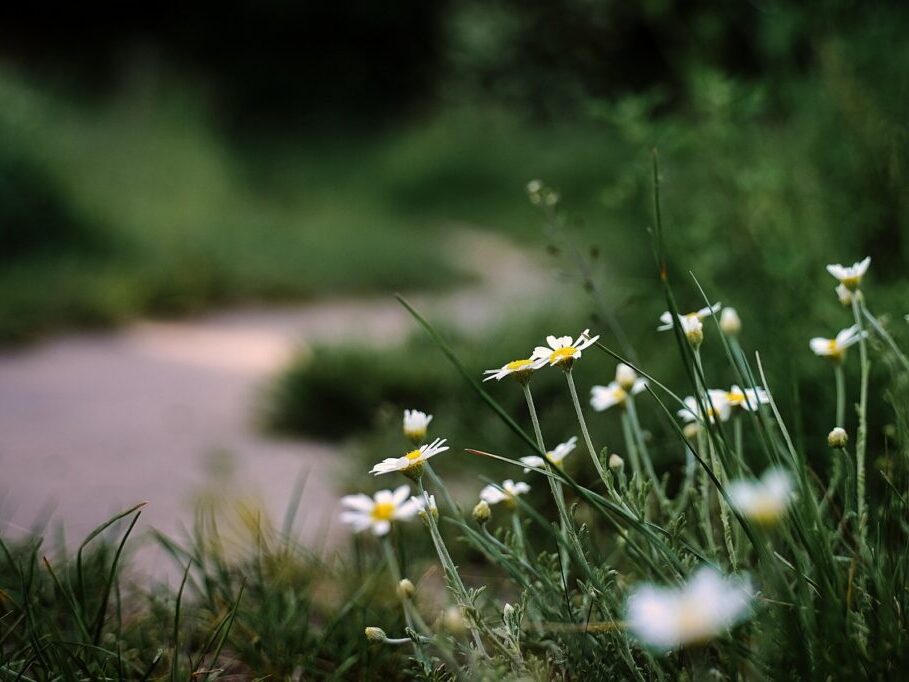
374,634
838,438
616,463
507,612
730,323
690,430
482,512
625,376
844,294
453,620
695,335
405,589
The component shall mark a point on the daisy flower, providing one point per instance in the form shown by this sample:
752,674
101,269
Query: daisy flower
835,349
415,424
704,607
626,382
689,320
748,399
506,493
424,503
562,350
850,277
410,464
519,369
377,512
763,501
717,406
843,294
555,456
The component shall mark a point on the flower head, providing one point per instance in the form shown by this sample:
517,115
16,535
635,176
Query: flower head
690,322
704,607
604,397
851,276
506,493
625,376
415,424
411,464
377,512
763,501
554,456
747,399
562,350
518,369
730,323
718,407
425,503
843,294
835,349
837,438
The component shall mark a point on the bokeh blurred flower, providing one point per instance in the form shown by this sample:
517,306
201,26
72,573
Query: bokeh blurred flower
604,397
562,350
506,493
377,512
688,321
843,294
730,323
696,612
717,404
519,369
554,456
763,501
416,424
625,376
835,349
851,276
412,462
748,399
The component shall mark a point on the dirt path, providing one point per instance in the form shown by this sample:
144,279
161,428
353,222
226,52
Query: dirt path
91,424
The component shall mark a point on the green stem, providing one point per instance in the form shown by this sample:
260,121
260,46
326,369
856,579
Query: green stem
392,562
861,436
632,448
439,485
638,433
840,395
886,337
577,407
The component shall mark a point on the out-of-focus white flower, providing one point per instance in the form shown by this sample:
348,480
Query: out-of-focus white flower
748,399
625,376
851,276
424,503
415,424
555,456
835,349
717,404
562,350
730,323
688,321
377,512
701,609
763,501
519,369
505,493
412,462
604,397
843,294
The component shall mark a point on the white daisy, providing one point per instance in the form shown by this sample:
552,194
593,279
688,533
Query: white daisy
377,512
717,406
763,501
704,607
416,424
748,399
604,397
625,376
424,503
412,462
506,493
690,321
851,276
843,294
519,369
835,349
555,456
562,350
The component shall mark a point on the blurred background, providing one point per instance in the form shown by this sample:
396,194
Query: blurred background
203,215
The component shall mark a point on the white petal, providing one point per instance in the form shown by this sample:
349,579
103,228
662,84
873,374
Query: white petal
381,528
359,502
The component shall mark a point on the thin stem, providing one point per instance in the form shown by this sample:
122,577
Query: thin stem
840,395
642,448
577,407
886,337
861,437
438,484
392,562
631,447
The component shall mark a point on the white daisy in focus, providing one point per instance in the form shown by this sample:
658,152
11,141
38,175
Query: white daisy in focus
411,463
377,512
506,493
748,399
416,424
717,404
519,369
851,276
703,608
689,321
835,349
763,501
555,456
562,350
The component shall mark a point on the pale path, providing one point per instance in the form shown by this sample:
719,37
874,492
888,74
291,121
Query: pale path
93,423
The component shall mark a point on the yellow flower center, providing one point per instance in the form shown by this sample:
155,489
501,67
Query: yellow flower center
834,350
735,398
619,394
516,365
562,354
851,282
383,511
413,454
765,511
693,622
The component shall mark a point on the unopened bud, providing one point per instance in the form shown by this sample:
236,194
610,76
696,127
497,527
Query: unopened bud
508,611
453,620
730,323
482,512
691,429
406,589
625,376
616,463
844,295
695,336
375,634
838,438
